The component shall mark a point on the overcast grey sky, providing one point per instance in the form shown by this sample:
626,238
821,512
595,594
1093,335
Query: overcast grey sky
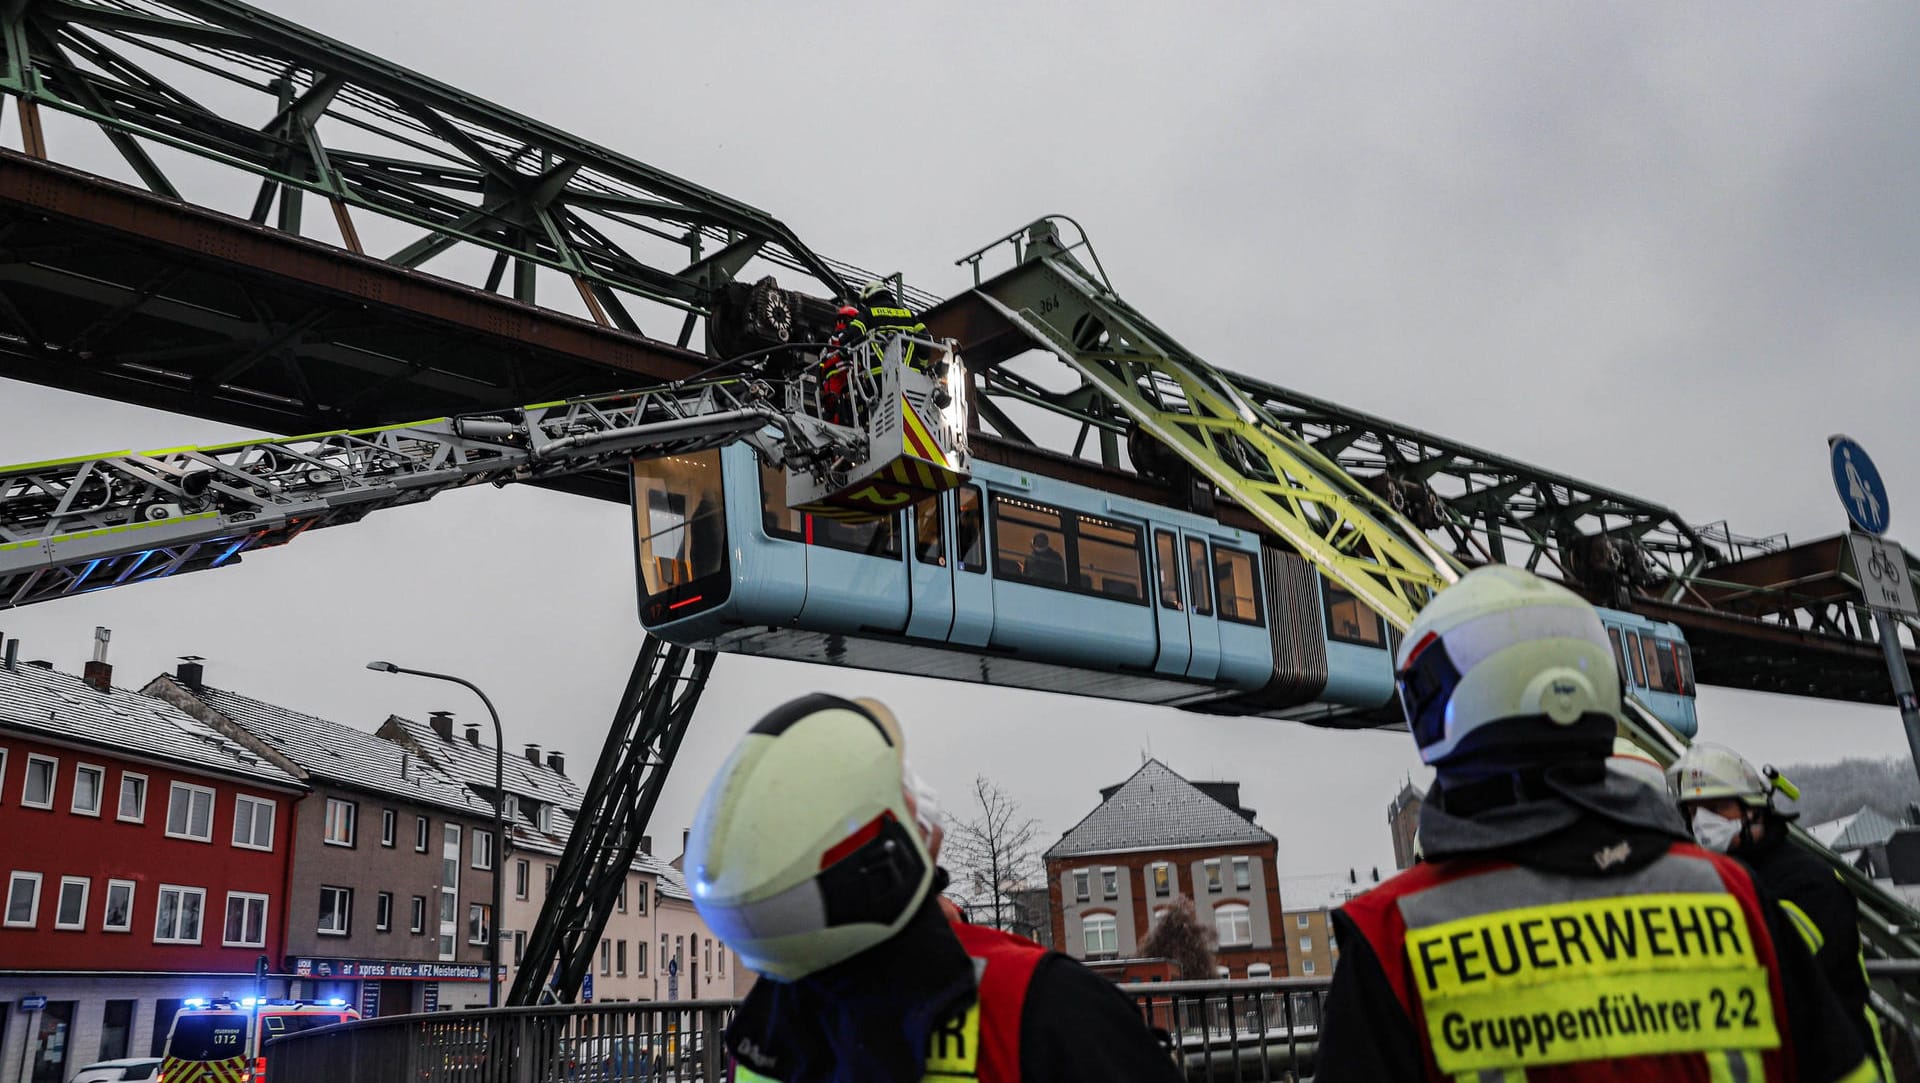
1665,248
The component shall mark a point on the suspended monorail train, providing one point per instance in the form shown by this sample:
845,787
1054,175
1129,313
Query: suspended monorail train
1016,578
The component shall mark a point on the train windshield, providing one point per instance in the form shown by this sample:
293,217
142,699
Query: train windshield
680,525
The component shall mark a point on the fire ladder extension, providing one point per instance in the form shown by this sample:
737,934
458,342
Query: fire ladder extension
70,526
647,727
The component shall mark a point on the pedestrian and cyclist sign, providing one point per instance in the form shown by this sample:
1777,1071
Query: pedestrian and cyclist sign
1861,491
1881,567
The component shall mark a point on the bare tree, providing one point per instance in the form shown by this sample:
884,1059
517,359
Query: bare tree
1179,937
994,855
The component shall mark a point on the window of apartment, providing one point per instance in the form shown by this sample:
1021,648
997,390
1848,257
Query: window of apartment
510,807
620,958
253,823
520,878
1109,883
36,789
389,827
1242,874
1162,879
1213,874
117,915
417,917
1259,970
482,849
519,946
706,956
1300,920
420,834
620,901
549,886
477,924
336,910
640,958
190,812
721,959
116,1029
1081,891
1234,924
341,815
606,957
88,780
383,912
3,772
1306,943
1333,942
71,911
664,957
23,900
133,797
1236,583
246,920
640,896
1306,966
176,919
1101,936
543,818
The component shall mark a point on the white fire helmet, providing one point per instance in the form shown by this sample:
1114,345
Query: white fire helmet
805,851
1505,668
1710,772
1631,761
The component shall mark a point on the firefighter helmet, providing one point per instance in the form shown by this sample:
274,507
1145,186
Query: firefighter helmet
1505,670
804,851
1710,772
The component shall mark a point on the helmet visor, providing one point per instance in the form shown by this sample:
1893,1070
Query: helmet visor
1425,684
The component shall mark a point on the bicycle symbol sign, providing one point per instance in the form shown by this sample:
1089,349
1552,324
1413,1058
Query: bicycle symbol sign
1881,567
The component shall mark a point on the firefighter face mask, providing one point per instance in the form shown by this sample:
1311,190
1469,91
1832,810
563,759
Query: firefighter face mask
1714,831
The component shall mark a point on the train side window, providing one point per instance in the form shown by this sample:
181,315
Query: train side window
1350,620
679,504
880,538
1030,542
970,529
776,518
1637,678
1650,650
929,538
1236,585
1684,658
1107,555
1619,657
1667,665
1166,561
1199,575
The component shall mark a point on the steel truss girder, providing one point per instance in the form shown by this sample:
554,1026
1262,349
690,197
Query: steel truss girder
298,110
654,711
76,525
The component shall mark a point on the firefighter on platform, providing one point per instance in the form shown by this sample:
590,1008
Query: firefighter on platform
860,336
1562,926
809,856
1730,808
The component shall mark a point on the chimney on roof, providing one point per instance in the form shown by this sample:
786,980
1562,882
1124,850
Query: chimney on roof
190,672
473,734
442,723
533,753
646,844
98,673
558,761
13,653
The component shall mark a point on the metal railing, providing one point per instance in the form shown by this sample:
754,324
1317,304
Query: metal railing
1258,1029
644,1042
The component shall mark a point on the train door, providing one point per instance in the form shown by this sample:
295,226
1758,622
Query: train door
930,571
967,561
1203,628
1170,606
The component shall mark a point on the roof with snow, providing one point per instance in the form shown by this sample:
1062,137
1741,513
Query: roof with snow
1156,809
48,703
1324,891
1868,827
473,764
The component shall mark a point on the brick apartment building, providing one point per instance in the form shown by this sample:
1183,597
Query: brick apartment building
392,862
1307,923
1152,838
146,858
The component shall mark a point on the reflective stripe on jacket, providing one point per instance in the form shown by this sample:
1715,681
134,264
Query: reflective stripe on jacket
1509,973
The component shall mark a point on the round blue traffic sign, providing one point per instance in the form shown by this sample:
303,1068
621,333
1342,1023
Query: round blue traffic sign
1858,482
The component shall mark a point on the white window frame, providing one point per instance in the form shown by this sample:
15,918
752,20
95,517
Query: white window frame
1306,943
1082,885
383,912
1242,865
522,877
120,801
1300,921
1153,883
389,827
53,780
253,821
417,915
1108,923
477,915
33,910
352,820
173,791
1244,912
59,903
181,892
1109,882
244,898
510,807
99,790
1259,970
482,849
1306,966
345,912
3,775
106,906
422,834
1214,881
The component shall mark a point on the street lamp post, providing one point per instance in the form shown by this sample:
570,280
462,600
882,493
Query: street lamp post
499,816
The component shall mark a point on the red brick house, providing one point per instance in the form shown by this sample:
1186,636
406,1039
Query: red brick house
1152,838
146,860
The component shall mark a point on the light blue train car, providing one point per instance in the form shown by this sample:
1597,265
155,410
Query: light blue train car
1014,578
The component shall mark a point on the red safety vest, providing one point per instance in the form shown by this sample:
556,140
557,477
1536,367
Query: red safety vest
1510,974
983,1043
